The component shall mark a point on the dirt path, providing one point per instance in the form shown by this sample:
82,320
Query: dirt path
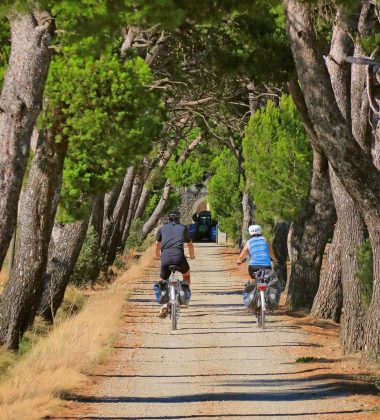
218,365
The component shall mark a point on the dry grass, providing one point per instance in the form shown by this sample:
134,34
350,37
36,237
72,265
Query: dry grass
57,364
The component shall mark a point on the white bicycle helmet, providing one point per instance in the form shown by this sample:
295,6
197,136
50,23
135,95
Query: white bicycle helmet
255,230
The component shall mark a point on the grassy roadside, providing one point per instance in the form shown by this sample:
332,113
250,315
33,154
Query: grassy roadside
56,364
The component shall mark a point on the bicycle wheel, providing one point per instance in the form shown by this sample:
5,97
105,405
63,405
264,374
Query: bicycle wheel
262,308
262,313
258,317
174,315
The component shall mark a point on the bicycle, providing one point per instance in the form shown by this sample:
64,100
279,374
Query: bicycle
174,302
262,296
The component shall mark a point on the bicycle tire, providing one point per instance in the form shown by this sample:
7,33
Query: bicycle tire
174,316
262,310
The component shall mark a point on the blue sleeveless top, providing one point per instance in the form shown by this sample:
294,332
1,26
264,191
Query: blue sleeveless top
259,251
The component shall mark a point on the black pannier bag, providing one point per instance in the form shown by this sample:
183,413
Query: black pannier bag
184,293
273,294
249,296
161,292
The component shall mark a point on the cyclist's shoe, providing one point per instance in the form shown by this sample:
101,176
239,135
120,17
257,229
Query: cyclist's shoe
163,311
184,306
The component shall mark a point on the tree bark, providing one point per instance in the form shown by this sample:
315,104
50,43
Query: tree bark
64,250
329,298
22,293
310,233
20,104
280,249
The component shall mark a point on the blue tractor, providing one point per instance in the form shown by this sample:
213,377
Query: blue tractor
204,227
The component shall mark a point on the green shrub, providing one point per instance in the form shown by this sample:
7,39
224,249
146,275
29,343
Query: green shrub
89,262
364,275
135,239
307,359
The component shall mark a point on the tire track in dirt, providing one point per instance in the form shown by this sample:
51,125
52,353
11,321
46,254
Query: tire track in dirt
217,365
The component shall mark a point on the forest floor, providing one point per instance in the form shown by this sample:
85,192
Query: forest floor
219,364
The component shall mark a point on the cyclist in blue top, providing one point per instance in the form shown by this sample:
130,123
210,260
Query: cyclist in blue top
260,251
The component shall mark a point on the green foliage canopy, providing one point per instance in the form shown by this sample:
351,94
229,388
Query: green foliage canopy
224,193
278,161
195,167
108,115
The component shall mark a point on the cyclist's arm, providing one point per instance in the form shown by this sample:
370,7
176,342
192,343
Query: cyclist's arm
243,254
157,251
190,247
271,252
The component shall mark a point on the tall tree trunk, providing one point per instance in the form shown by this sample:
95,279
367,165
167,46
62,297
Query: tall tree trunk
351,164
280,249
143,202
97,214
111,230
151,223
64,251
371,332
247,206
110,200
22,293
309,236
329,298
348,92
20,104
353,234
155,169
135,195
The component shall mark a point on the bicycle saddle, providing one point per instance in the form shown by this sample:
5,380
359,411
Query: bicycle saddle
173,268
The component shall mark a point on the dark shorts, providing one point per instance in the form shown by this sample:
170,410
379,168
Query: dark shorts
253,268
180,262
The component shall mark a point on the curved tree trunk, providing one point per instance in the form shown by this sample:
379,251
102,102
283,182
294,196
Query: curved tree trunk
111,229
309,236
247,207
97,213
64,251
143,202
22,293
280,248
329,298
20,104
133,203
151,223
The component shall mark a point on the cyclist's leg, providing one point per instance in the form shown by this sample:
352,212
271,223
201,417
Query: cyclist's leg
164,276
184,268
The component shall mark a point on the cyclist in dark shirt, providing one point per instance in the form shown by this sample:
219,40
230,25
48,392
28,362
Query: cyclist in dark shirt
169,248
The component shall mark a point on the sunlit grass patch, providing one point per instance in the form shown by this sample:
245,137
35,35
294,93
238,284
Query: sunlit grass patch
307,359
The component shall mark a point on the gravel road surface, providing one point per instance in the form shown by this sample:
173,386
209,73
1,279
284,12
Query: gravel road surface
217,365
